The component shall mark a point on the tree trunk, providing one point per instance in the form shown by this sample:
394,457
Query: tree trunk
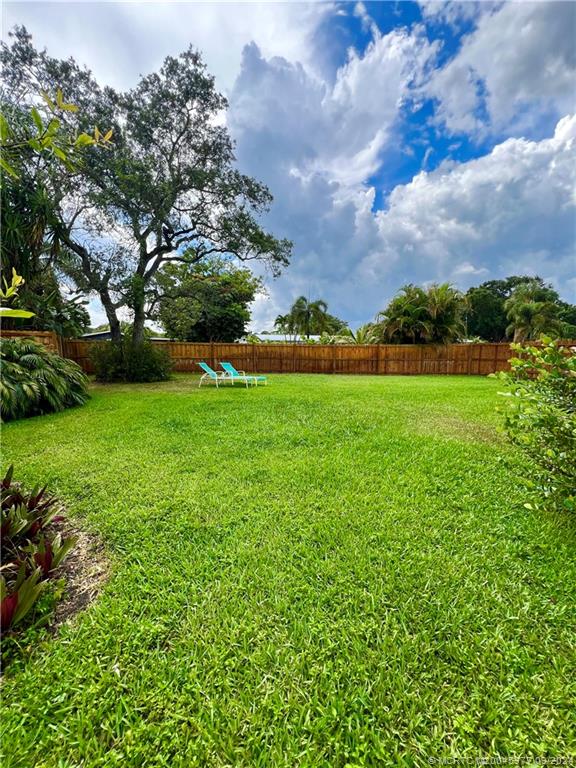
138,327
115,331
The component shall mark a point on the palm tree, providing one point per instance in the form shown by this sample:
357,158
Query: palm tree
418,316
532,311
284,324
446,307
405,319
365,334
307,317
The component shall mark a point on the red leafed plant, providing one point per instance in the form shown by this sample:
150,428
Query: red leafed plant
30,551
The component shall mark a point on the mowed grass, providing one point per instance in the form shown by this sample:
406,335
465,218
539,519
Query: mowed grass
330,571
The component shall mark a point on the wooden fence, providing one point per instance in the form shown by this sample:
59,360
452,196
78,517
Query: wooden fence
405,359
50,339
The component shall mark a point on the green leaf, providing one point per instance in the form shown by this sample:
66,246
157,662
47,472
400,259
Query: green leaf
4,129
83,140
8,168
6,312
37,119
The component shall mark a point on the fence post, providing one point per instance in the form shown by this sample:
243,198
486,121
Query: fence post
334,358
293,358
212,360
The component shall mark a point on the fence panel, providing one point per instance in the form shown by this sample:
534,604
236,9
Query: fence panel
50,339
383,359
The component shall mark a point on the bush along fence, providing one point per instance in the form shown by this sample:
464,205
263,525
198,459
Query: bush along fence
382,359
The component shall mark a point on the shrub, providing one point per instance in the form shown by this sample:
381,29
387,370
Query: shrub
540,417
130,362
35,380
30,552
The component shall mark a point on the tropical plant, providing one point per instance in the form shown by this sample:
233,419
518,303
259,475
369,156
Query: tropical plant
38,153
405,319
9,292
35,380
419,316
17,598
533,310
130,362
29,551
24,514
446,308
540,418
307,318
485,313
285,324
365,334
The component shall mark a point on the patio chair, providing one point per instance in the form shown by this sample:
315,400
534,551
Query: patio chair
210,375
231,373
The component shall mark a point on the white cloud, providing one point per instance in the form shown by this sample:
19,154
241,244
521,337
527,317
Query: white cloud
516,68
315,145
511,211
120,40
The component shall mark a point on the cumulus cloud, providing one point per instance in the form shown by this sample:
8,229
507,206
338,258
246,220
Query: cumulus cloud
518,66
511,211
315,145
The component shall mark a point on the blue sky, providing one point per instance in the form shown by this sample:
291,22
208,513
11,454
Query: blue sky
403,142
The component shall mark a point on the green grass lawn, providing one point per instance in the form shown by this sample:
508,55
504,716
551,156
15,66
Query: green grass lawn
330,571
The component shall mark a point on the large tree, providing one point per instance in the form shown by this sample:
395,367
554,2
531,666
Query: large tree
533,309
208,301
166,189
486,316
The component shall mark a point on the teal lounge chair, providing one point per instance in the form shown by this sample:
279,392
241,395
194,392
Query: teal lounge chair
231,373
210,375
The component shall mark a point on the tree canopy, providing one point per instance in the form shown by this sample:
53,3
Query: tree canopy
166,189
418,316
206,301
532,309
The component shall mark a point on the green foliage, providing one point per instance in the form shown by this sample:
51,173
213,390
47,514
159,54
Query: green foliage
35,380
419,316
170,172
540,417
307,318
485,315
29,551
329,570
44,132
9,292
365,334
208,301
17,598
130,362
40,153
533,309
